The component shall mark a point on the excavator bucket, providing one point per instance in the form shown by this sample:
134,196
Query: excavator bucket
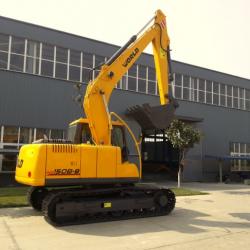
158,117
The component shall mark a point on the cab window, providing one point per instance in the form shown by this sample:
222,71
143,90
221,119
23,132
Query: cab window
117,137
80,133
86,135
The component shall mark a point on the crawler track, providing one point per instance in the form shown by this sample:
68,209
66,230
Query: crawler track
81,206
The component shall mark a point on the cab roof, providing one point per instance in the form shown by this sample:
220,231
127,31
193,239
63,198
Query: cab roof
85,120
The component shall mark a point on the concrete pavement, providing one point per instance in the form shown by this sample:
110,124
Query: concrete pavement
220,220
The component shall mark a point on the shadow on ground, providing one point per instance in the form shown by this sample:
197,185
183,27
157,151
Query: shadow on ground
244,216
214,186
19,212
181,220
238,192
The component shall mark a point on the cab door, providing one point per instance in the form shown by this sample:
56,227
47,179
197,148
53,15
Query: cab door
106,161
109,157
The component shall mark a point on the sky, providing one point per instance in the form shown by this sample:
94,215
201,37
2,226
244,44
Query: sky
214,34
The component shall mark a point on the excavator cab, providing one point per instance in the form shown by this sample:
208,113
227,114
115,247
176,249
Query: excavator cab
79,132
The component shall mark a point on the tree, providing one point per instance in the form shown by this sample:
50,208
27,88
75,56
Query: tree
183,137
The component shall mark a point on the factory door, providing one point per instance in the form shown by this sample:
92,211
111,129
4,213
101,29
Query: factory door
159,158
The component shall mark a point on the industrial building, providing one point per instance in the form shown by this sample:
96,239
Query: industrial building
40,66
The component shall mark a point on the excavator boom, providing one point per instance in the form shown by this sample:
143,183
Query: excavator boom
99,91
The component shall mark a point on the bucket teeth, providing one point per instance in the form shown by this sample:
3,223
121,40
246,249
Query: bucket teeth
157,117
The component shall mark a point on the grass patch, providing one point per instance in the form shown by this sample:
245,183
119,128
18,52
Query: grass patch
13,201
186,192
16,196
13,197
13,191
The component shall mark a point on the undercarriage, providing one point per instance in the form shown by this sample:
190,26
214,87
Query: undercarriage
82,205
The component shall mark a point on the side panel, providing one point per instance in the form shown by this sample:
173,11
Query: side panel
106,161
88,161
126,170
31,163
63,161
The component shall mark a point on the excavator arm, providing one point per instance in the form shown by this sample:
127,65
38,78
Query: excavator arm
98,92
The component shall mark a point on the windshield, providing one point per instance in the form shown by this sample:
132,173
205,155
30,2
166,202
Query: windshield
79,133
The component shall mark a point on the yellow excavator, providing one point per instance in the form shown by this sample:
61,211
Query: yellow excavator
88,177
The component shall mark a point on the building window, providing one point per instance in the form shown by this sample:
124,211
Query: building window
17,45
75,65
132,74
178,86
74,73
3,60
87,63
209,92
186,87
47,62
32,57
151,74
47,68
240,149
194,89
142,78
235,97
17,54
42,133
151,88
48,52
61,63
26,135
123,81
242,98
202,97
4,48
215,93
10,134
86,75
99,61
8,161
223,98
229,96
75,58
247,99
132,83
56,134
61,71
16,62
4,42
